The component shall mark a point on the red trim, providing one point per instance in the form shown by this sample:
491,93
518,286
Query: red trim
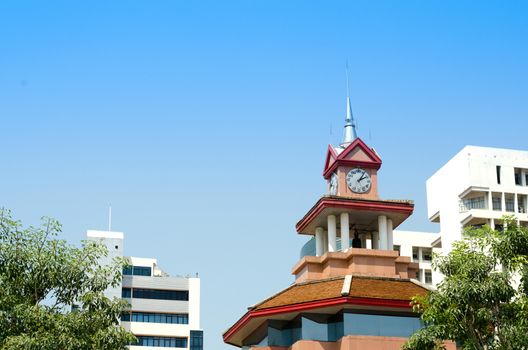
364,205
330,153
359,143
352,163
313,305
374,163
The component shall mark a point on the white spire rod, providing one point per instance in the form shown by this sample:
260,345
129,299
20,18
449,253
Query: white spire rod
350,124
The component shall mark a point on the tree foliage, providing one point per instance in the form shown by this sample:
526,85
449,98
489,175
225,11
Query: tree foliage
482,302
43,278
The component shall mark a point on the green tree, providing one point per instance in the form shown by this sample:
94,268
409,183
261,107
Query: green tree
482,301
43,278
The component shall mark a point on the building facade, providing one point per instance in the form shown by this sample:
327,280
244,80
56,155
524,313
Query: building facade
478,186
352,290
418,245
164,311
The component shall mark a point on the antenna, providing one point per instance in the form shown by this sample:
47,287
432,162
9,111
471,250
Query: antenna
110,217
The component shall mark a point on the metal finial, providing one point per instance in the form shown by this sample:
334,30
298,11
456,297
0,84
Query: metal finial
350,124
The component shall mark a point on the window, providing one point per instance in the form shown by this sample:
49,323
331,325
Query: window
427,254
498,174
152,317
415,254
521,176
126,293
428,277
164,342
380,325
510,205
160,294
518,179
472,203
283,333
496,203
325,327
397,248
137,271
196,340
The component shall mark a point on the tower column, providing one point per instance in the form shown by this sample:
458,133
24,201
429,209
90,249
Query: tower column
382,229
374,240
332,233
319,241
363,238
390,237
345,232
325,241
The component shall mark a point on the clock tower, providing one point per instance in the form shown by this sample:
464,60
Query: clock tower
352,290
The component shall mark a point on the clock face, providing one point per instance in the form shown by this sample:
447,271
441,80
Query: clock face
333,185
358,180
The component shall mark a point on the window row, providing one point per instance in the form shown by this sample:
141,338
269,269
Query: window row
332,328
425,276
155,317
422,254
520,176
164,342
160,294
137,270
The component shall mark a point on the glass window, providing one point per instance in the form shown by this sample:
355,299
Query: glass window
137,271
427,254
397,248
127,270
283,333
156,317
314,327
415,253
428,277
496,203
161,294
517,179
380,325
510,204
165,342
126,293
196,340
142,271
498,174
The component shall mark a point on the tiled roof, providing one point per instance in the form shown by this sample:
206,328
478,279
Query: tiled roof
361,287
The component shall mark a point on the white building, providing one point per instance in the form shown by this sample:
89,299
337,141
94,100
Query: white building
478,186
418,246
165,310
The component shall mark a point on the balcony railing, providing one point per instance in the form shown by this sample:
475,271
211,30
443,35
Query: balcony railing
308,248
472,203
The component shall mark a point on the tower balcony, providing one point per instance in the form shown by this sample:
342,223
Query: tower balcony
355,261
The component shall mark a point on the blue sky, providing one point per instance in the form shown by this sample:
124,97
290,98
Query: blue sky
205,123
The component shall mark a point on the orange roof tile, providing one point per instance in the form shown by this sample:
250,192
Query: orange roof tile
361,287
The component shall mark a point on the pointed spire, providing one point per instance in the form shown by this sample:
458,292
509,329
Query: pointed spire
350,124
